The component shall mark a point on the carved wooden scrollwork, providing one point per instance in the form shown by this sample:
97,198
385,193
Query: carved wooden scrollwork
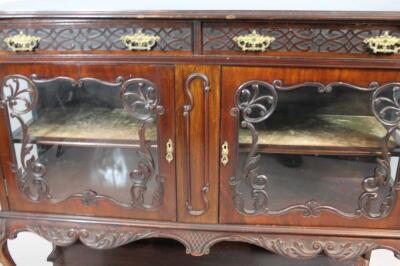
322,88
256,100
252,107
199,242
139,96
21,100
186,114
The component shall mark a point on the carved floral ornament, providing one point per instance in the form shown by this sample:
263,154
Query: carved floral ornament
255,101
140,97
199,242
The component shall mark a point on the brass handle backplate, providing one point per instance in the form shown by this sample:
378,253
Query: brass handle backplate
225,153
170,151
140,41
254,42
383,44
22,42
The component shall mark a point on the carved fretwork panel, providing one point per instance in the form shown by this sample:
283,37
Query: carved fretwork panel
59,128
292,38
254,103
91,37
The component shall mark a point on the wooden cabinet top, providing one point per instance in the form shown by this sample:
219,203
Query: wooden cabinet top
281,15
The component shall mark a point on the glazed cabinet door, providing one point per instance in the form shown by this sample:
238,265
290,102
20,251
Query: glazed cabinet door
308,146
89,139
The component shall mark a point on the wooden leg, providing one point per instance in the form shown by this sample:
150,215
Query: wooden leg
55,253
397,255
362,261
5,257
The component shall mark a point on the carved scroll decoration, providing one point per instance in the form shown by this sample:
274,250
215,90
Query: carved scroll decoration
252,107
139,96
255,101
21,101
199,242
322,88
186,115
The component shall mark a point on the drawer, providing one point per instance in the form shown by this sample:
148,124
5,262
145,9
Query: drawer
157,37
309,147
311,39
90,140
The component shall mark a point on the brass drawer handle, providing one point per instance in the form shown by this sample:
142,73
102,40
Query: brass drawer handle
383,44
225,153
170,151
140,41
22,42
254,42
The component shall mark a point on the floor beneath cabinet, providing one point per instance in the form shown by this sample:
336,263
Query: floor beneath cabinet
163,252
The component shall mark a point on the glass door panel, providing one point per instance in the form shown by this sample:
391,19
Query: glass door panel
87,139
309,147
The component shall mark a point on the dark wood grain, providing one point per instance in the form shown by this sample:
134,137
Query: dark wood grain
216,14
200,169
183,52
106,73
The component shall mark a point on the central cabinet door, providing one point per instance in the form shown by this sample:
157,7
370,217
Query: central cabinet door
94,139
309,146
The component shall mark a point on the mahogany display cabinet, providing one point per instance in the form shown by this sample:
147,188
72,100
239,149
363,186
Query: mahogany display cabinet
277,129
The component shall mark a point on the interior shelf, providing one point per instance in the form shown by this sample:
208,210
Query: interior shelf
318,134
88,127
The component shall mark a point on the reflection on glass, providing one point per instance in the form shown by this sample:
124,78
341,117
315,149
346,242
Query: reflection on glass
315,151
76,139
298,179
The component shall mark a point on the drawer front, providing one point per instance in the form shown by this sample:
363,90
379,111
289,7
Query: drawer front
304,39
171,37
98,143
302,147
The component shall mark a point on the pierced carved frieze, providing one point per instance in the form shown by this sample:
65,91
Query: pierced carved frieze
199,242
96,239
292,38
105,38
140,98
255,101
307,249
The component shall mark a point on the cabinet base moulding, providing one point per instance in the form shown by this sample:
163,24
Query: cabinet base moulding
298,243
